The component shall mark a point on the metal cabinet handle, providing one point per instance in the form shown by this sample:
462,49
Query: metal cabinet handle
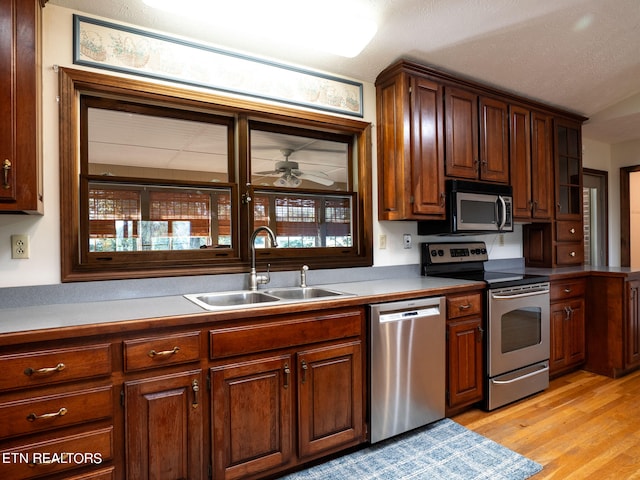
6,167
572,254
195,386
443,198
163,353
287,372
44,371
567,290
304,371
464,307
32,417
481,334
568,312
572,231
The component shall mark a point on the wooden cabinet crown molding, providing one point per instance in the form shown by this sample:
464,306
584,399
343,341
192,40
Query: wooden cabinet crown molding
404,65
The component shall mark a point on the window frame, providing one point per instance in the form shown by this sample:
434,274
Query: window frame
75,84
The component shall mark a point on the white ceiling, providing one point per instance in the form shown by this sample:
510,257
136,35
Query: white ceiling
580,55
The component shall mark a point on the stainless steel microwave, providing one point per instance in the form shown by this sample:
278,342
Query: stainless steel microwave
473,207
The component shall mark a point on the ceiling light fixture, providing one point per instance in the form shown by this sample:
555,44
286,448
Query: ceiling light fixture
333,26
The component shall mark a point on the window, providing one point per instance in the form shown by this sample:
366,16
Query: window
161,181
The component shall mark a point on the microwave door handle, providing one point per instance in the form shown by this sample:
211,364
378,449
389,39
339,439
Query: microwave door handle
504,212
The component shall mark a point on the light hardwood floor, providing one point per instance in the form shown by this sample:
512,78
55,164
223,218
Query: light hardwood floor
585,426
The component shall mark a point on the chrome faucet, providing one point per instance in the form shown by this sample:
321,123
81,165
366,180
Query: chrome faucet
303,276
254,278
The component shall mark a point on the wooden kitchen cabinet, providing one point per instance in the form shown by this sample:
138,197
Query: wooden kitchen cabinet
316,359
476,136
531,142
410,148
56,401
20,105
567,336
464,351
165,427
613,324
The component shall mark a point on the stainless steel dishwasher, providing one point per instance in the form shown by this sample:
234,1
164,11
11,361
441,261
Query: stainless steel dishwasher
406,365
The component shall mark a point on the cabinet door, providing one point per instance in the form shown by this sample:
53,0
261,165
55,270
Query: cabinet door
520,146
541,166
20,172
494,140
461,132
251,416
568,171
427,148
330,398
464,378
567,335
164,427
632,335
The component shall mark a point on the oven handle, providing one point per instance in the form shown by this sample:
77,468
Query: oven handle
531,374
519,295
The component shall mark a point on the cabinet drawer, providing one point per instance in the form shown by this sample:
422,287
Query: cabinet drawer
568,289
53,411
569,231
464,305
46,367
152,352
57,455
570,254
288,332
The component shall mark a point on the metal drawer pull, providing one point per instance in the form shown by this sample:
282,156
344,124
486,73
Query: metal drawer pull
567,290
6,166
44,371
572,254
304,371
32,417
464,307
163,353
572,231
195,386
62,458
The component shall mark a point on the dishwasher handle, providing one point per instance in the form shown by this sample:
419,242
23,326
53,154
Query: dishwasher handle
401,315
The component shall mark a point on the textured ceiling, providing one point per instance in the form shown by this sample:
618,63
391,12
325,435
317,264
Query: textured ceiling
580,55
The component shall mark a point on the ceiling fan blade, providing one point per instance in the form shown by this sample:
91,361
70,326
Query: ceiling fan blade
269,172
313,178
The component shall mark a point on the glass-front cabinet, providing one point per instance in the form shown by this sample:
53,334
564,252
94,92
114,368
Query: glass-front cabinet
568,171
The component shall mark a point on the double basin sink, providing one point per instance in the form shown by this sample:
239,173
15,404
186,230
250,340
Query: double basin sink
249,298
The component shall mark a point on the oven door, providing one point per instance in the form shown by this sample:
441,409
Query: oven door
518,328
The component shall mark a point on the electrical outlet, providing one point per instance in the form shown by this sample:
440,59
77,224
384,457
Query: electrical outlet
19,246
407,240
382,242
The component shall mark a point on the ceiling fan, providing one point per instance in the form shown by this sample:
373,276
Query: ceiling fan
290,175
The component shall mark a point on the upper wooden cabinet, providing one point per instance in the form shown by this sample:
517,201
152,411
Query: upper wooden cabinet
477,136
20,150
410,148
531,143
568,167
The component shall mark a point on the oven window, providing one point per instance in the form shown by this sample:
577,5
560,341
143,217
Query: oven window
521,328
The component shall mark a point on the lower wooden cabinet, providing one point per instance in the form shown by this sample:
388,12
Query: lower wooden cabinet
567,333
464,351
254,418
164,427
613,324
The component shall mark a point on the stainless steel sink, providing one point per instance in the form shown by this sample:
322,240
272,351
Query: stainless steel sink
303,293
229,300
249,298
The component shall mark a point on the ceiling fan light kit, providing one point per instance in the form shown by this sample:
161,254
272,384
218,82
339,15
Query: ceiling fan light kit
290,174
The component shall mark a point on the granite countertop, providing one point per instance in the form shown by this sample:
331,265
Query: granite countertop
39,317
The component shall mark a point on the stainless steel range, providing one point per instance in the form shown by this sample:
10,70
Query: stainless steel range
516,315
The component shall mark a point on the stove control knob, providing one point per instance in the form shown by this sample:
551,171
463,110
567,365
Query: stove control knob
484,251
434,253
441,253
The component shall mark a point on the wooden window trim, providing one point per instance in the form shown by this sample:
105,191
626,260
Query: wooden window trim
75,83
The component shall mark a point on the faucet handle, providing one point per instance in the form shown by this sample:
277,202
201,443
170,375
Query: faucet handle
303,276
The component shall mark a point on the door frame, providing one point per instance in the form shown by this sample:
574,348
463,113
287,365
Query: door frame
625,215
603,175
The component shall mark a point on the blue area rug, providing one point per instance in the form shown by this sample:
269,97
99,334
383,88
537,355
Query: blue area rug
443,450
